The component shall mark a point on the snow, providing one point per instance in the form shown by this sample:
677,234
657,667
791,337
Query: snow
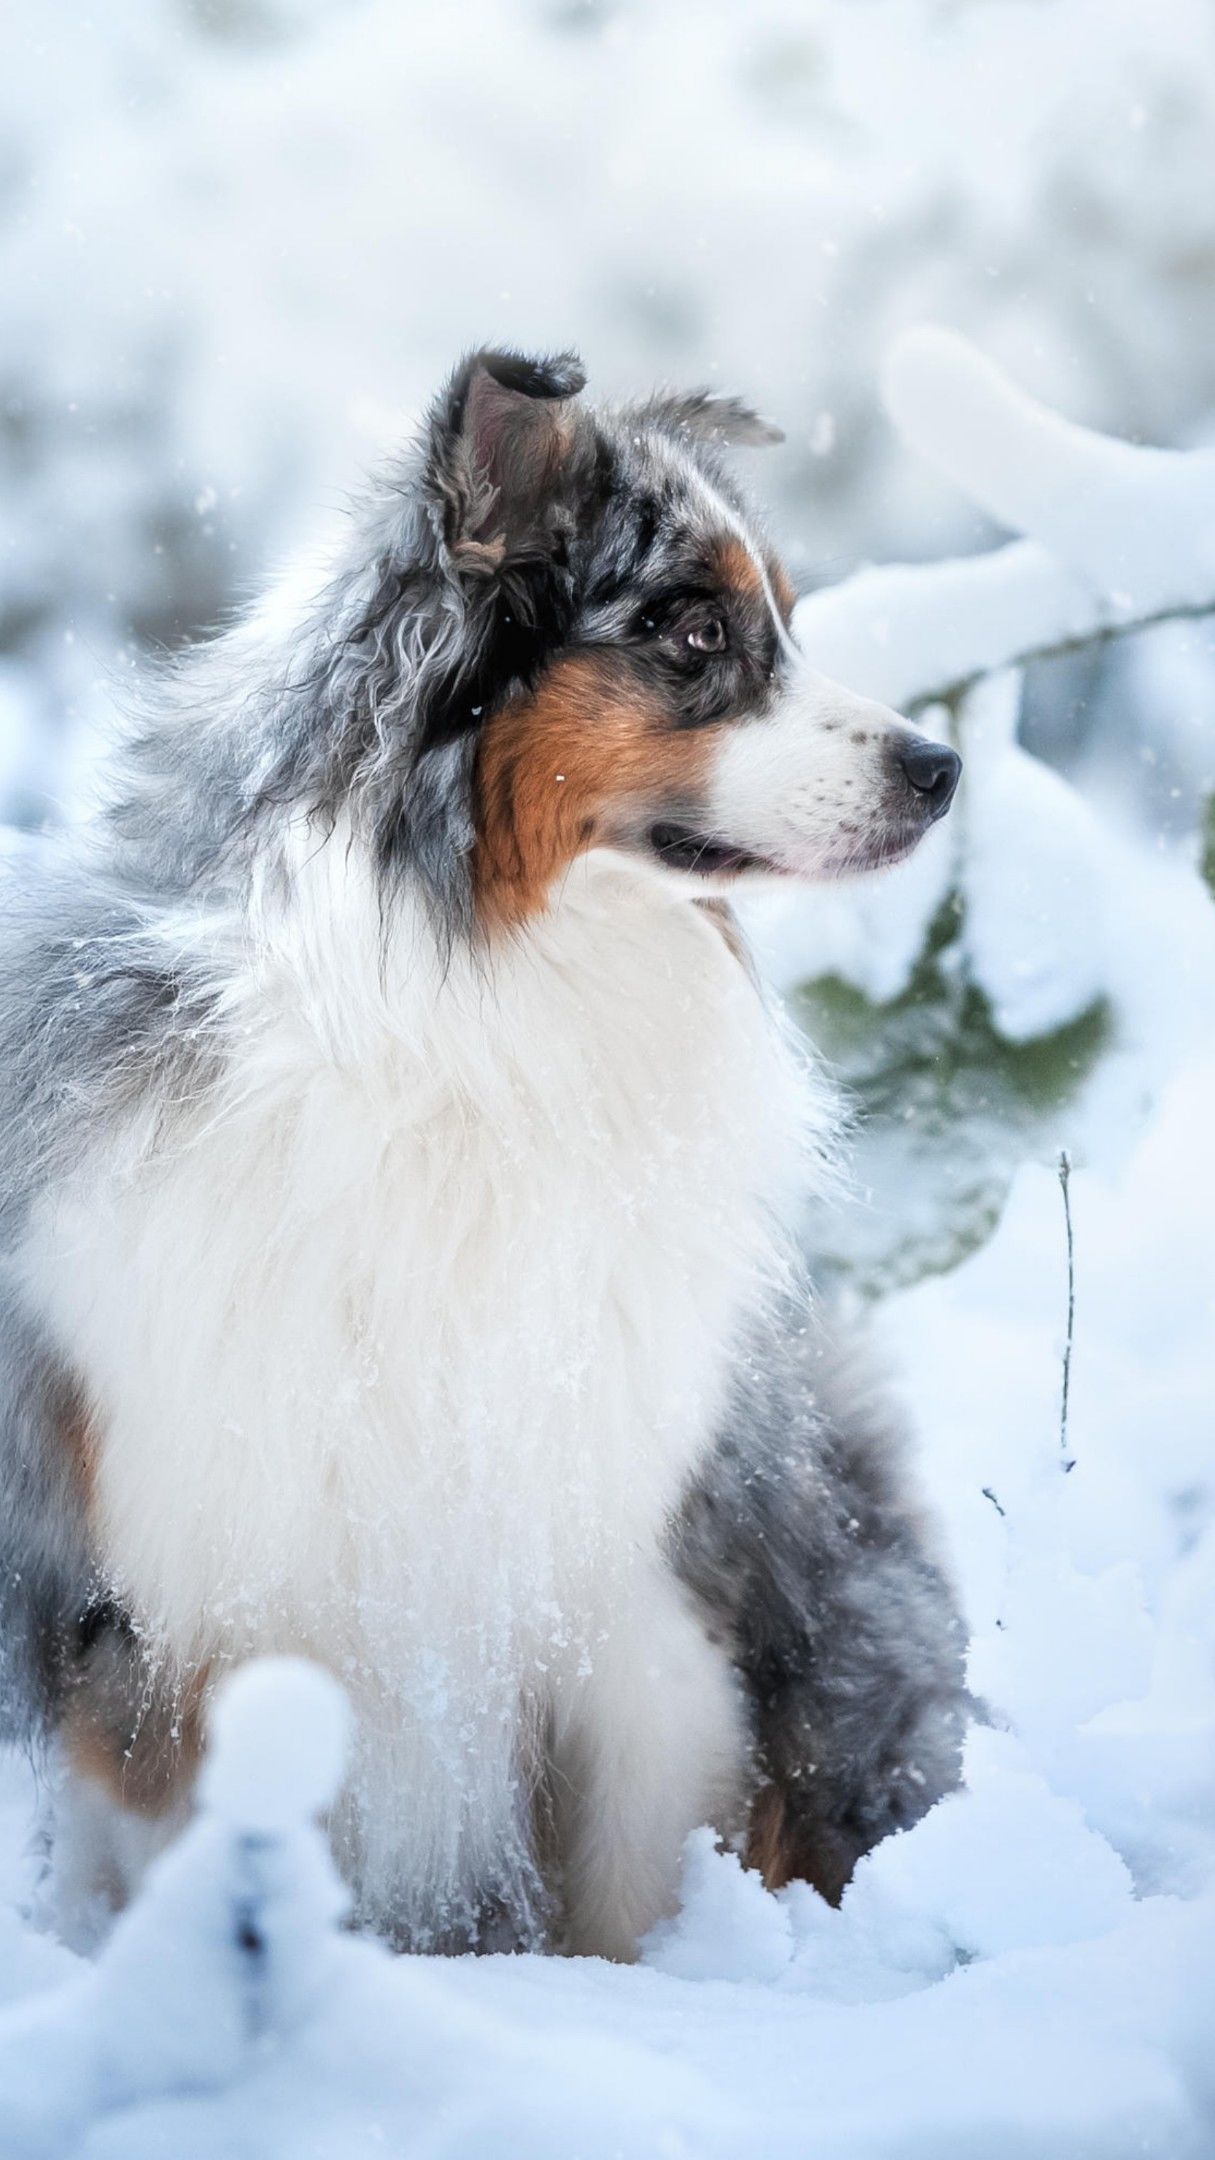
727,1927
1040,903
1090,1596
912,631
1060,904
1005,1865
1117,533
1138,524
280,1735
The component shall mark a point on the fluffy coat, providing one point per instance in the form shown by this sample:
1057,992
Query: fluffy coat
402,1180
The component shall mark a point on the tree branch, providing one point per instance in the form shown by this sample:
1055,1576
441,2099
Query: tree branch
1058,649
1118,538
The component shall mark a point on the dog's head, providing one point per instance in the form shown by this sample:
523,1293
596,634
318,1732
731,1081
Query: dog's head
599,650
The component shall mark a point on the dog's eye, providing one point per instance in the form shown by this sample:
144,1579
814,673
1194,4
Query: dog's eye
708,634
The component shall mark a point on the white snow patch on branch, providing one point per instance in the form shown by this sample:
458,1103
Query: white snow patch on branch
1137,524
1116,536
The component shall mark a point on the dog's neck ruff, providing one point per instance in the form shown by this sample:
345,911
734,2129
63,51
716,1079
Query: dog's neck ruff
456,1241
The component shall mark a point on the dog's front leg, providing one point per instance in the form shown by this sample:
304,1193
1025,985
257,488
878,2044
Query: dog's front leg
654,1744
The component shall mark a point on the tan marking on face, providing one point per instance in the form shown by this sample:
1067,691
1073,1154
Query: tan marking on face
735,566
558,768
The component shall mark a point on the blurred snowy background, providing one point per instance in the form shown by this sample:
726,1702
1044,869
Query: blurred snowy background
241,240
240,243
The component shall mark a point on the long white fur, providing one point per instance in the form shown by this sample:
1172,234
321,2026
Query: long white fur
404,1347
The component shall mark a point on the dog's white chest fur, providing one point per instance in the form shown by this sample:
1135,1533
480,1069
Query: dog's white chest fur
404,1344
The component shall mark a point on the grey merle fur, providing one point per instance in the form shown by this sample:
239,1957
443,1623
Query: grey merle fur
811,1561
520,525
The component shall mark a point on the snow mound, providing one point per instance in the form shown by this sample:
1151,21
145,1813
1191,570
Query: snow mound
280,1734
728,1926
1004,1865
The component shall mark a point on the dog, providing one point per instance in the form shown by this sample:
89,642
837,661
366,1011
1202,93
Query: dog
404,1177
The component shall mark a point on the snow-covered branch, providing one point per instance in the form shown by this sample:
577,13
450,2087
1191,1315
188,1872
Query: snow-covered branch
1051,910
1117,538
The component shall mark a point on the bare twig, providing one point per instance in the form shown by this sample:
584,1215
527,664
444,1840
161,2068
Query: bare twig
1065,1173
988,1494
1102,633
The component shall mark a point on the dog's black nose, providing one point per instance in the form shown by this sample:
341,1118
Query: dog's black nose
932,769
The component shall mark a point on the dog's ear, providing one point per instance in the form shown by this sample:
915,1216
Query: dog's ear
704,416
501,451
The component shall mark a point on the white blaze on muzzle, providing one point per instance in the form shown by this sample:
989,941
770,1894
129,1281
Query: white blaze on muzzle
828,782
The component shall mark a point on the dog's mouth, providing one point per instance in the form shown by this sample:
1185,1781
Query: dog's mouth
682,847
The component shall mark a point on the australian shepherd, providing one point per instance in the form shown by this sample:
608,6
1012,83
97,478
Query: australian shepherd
404,1176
